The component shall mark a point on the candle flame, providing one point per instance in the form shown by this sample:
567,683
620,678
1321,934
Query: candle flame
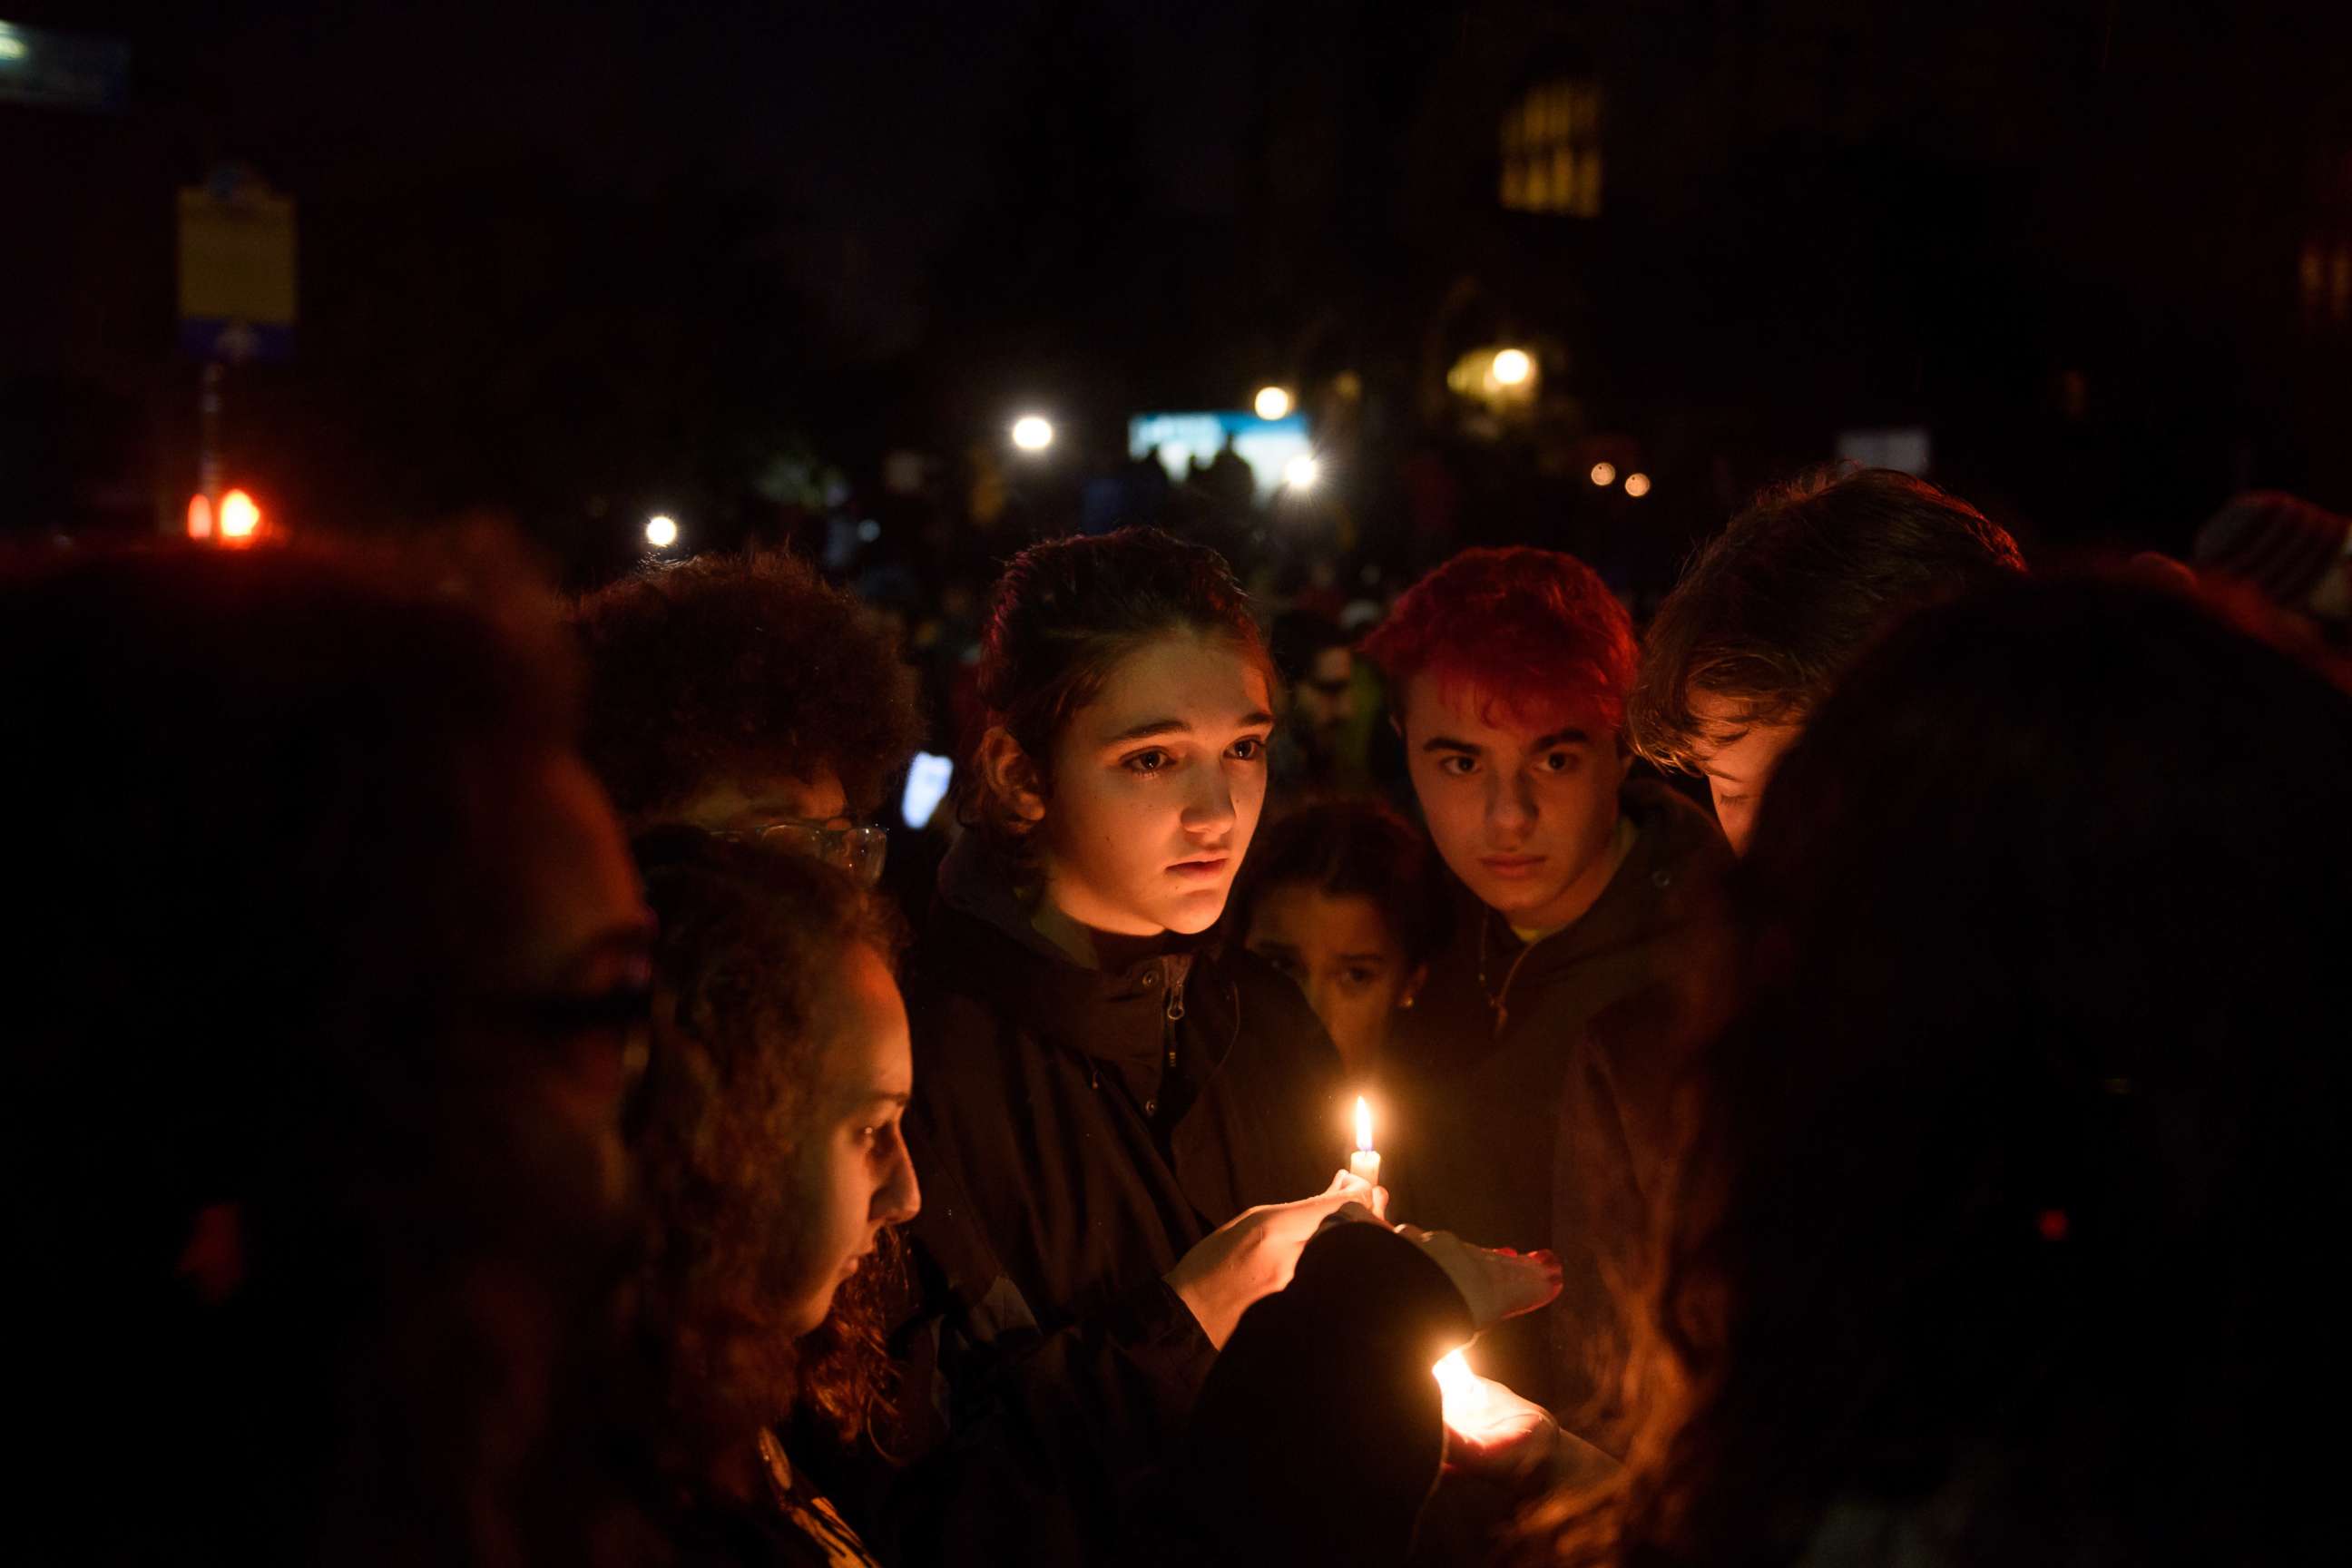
1474,1410
1363,1125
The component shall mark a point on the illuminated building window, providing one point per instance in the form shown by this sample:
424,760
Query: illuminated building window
1552,149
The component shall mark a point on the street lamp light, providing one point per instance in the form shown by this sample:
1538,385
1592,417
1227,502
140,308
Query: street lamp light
1032,432
1301,472
661,530
1272,402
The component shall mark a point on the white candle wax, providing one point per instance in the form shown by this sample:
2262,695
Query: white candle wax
1365,1162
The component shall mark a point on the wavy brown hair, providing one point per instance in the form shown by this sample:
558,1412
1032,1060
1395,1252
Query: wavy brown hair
1771,610
2007,1230
751,939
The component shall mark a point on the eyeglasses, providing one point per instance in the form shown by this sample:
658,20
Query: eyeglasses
854,847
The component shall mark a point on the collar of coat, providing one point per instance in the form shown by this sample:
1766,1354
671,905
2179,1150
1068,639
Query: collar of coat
981,942
1677,861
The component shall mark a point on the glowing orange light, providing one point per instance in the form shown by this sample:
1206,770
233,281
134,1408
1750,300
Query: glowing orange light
200,516
241,517
1637,485
1363,1124
1604,474
1475,1409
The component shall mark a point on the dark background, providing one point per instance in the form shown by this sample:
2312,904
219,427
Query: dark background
573,264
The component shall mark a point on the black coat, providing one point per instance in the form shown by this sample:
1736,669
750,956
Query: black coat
1319,1435
1076,1132
1480,1063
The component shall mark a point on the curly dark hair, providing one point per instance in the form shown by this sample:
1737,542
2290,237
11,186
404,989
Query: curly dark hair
1770,610
750,939
2010,1197
739,665
1061,616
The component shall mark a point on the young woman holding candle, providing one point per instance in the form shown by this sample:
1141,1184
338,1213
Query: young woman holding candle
1126,1129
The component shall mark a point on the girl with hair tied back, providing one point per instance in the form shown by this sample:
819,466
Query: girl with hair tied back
1127,1131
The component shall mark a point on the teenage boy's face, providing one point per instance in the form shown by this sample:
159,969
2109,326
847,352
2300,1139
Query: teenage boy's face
1157,786
1522,807
1738,759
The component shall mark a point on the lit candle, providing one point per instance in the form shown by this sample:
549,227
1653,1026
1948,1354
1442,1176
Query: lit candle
1365,1162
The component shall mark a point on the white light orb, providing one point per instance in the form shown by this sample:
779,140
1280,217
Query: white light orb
661,532
240,518
1512,367
1033,433
1301,472
1272,402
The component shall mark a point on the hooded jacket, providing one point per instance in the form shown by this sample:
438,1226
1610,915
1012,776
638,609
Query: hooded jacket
1482,1060
1076,1132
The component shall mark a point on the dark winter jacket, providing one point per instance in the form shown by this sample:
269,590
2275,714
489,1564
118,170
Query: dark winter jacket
1076,1132
1481,1061
1621,1119
1318,1437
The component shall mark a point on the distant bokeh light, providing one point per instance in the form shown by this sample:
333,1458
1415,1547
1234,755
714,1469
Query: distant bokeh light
1604,474
1033,433
661,532
1637,485
1272,402
240,516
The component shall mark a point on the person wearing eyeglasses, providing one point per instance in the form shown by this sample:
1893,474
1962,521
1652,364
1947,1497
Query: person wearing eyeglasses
743,695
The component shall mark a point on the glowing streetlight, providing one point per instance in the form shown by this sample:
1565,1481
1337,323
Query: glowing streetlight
1512,367
240,518
1604,474
1032,432
1301,472
661,532
1272,402
1637,485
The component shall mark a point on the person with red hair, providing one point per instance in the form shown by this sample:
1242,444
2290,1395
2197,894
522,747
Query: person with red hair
1507,672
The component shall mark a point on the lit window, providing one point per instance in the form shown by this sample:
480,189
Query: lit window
1552,151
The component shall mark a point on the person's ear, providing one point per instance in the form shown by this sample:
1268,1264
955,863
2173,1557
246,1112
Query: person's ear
1011,777
1624,760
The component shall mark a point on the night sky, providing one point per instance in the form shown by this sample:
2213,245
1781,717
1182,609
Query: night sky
570,261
